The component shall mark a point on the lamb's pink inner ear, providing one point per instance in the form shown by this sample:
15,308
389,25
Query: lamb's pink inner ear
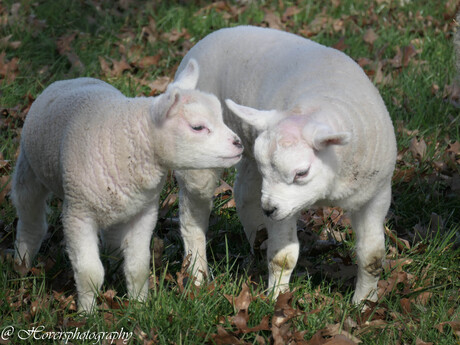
188,78
259,119
341,138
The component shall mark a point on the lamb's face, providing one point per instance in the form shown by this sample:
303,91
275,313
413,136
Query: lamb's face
295,156
295,175
190,132
197,136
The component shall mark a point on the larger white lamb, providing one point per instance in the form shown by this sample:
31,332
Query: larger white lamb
107,157
321,136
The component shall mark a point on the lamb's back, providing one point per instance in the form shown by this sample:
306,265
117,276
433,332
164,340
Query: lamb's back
272,69
62,107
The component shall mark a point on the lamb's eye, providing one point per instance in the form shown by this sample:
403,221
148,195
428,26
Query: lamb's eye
301,174
198,128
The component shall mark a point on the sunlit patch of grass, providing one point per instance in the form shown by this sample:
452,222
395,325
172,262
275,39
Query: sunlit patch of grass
415,99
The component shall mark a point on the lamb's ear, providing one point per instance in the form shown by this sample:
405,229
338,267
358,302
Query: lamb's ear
165,106
188,78
259,119
321,135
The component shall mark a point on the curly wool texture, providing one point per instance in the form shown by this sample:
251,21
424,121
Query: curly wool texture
107,156
316,132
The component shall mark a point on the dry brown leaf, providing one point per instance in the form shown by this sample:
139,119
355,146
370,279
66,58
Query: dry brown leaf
63,44
260,340
340,44
264,325
222,188
339,334
158,249
417,148
400,281
5,187
5,43
318,23
223,337
38,304
108,299
290,11
167,204
338,25
451,7
218,6
8,69
406,306
452,92
340,339
283,309
419,341
454,148
105,67
364,61
273,20
370,36
402,244
118,67
379,77
455,325
280,327
243,300
424,297
397,265
317,339
148,61
149,32
371,325
403,56
158,85
174,35
65,302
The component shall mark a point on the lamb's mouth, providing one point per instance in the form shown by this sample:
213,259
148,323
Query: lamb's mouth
238,156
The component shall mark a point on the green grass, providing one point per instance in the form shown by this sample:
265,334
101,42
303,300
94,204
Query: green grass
106,29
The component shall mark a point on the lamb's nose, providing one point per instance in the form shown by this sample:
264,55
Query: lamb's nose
269,212
237,143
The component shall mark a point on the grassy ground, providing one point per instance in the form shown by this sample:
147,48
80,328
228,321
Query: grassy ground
405,48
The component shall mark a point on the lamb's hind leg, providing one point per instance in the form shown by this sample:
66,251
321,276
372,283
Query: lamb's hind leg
81,235
195,203
370,244
29,197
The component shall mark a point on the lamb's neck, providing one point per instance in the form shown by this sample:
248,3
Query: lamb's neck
140,131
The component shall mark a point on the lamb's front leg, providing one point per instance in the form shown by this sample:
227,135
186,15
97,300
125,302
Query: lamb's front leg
247,192
370,244
195,203
135,237
81,236
282,253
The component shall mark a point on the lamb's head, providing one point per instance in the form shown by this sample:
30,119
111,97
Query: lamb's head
192,133
295,156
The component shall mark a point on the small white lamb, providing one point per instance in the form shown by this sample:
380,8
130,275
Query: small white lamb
323,137
107,157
